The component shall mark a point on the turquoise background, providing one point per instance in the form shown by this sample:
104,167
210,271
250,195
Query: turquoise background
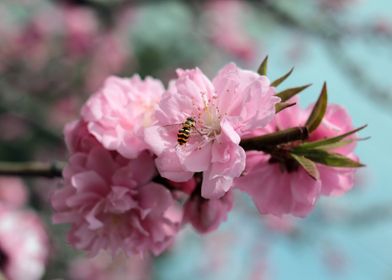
360,232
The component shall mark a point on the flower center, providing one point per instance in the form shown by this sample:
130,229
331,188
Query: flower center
208,120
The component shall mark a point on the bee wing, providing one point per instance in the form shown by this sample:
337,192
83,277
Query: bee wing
174,124
172,128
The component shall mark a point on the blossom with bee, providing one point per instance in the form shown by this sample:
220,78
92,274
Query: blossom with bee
235,103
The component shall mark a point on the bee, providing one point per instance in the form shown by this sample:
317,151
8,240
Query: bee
185,131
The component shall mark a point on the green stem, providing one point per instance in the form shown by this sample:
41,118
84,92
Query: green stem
264,142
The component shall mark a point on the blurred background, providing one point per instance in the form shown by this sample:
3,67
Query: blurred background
54,54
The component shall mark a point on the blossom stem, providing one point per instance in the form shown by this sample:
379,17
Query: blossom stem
32,169
54,169
264,142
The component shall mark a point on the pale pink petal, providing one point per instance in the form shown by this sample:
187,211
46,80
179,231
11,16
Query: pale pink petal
169,166
197,160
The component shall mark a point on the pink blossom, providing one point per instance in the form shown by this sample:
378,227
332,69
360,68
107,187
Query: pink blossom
337,5
13,192
283,225
112,202
234,103
276,192
63,110
37,35
382,26
78,138
206,215
104,266
280,189
81,29
187,187
110,56
13,128
24,245
335,259
117,114
226,27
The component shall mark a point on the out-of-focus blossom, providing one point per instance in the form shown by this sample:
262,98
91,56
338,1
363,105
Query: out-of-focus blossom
24,245
283,225
383,26
226,27
235,103
335,259
281,189
112,202
80,28
38,34
63,111
337,5
104,266
12,128
13,192
206,215
110,56
118,113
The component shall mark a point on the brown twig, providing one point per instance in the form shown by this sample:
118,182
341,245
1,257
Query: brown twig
261,143
32,169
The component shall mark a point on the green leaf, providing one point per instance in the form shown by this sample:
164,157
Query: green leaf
263,67
283,105
328,142
318,111
329,159
280,80
291,92
309,166
335,145
342,143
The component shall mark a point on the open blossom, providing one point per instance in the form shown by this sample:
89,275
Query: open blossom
24,245
112,202
278,189
206,215
78,138
233,104
117,114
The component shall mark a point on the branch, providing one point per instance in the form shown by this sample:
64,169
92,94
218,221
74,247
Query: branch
264,142
32,169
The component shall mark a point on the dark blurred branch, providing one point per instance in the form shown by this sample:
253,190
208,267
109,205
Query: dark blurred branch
32,169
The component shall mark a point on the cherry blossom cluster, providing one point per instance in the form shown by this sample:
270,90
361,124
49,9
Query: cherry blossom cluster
24,243
145,160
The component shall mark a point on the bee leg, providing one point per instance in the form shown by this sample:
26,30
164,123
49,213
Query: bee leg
199,132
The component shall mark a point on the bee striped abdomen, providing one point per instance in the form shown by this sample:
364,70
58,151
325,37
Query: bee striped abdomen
184,133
